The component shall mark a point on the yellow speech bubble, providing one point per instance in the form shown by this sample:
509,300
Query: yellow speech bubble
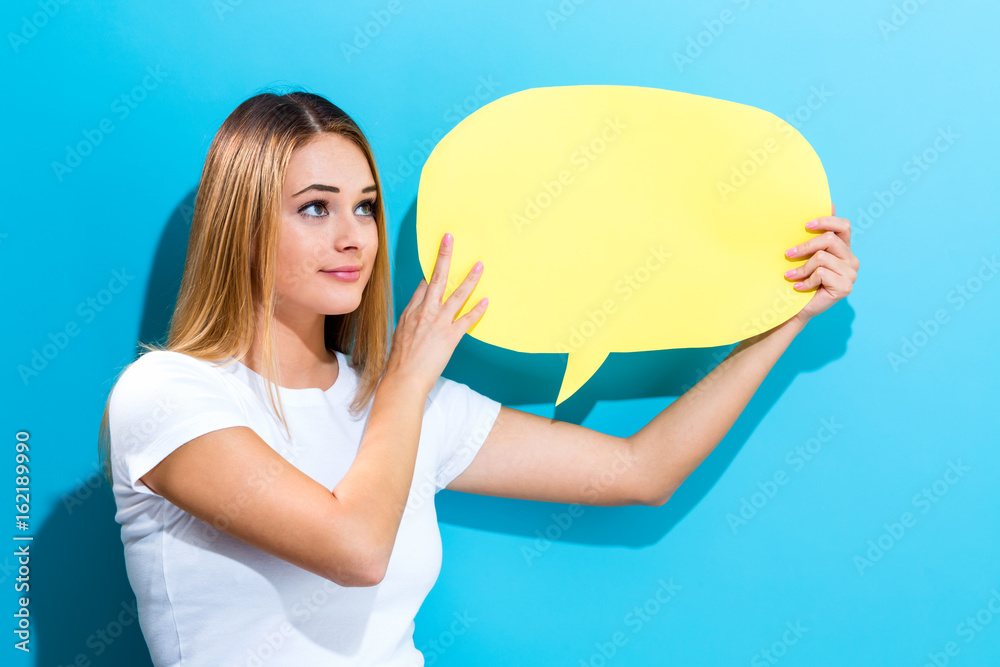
621,219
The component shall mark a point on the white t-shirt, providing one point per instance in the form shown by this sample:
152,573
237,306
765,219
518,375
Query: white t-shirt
205,598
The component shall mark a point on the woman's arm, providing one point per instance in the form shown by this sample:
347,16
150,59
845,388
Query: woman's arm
677,440
530,457
533,458
375,488
670,447
234,481
231,479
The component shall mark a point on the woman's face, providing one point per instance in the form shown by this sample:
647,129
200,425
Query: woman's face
328,236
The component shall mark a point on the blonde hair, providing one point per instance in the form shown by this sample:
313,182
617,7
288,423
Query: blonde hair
230,267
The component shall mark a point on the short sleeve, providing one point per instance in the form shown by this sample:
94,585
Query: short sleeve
161,401
468,417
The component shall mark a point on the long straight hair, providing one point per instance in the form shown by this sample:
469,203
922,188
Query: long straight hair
230,269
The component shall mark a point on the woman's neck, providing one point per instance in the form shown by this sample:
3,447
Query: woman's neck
302,356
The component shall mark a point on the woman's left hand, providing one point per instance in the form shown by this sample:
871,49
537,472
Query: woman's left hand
832,268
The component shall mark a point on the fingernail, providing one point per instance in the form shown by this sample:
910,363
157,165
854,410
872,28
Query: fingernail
447,238
797,285
477,267
811,224
790,252
789,273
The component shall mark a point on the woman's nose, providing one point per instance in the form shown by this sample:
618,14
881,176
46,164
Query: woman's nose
348,234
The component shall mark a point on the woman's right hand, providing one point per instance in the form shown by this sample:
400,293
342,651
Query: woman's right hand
428,333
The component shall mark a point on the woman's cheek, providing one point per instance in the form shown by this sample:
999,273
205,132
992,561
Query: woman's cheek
292,270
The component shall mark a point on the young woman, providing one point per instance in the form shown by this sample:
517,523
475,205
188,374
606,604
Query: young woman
274,466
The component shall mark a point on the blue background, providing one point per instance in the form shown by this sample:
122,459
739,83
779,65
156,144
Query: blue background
794,562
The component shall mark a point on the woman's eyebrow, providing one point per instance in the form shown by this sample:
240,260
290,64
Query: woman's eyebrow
329,188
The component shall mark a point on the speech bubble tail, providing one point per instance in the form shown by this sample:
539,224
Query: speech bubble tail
580,366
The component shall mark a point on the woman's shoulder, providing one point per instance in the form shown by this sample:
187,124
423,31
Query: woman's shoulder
160,367
166,388
161,358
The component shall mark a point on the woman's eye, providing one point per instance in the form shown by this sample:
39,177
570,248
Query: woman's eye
319,206
368,206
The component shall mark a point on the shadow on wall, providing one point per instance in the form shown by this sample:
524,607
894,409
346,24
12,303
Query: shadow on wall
84,568
80,562
84,607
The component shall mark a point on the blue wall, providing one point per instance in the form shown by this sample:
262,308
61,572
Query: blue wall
874,550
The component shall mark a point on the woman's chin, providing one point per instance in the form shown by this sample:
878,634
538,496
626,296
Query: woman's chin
341,307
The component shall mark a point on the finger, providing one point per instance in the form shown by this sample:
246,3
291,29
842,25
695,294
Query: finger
828,241
839,286
466,321
842,229
418,294
456,300
822,258
840,226
439,276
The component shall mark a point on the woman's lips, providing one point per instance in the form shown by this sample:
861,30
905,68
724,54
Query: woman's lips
346,275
